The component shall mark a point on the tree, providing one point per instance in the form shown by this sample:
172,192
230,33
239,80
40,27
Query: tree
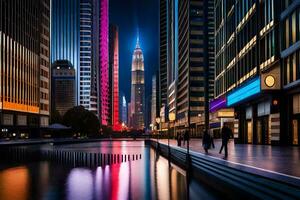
82,121
56,117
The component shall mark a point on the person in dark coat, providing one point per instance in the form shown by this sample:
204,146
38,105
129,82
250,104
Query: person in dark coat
179,139
206,141
226,133
186,136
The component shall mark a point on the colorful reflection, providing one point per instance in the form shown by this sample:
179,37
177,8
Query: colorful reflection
14,184
151,177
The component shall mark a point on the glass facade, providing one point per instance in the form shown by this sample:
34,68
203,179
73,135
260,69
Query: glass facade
65,34
24,63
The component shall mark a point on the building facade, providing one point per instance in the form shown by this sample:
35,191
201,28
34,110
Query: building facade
114,77
290,55
249,68
163,52
24,67
123,110
65,35
137,104
63,86
195,64
86,53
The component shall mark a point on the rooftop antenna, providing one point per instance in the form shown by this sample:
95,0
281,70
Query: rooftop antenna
138,39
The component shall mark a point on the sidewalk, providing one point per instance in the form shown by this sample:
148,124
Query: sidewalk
285,160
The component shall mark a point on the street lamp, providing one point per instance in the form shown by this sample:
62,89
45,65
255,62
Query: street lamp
158,122
172,117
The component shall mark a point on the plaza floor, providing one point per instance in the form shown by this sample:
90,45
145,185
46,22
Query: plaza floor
277,159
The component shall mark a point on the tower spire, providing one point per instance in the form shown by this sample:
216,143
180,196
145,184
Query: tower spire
137,40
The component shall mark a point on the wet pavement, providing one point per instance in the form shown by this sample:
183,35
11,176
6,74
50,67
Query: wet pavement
278,159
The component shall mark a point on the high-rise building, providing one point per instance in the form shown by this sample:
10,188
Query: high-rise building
195,64
248,67
63,86
103,82
114,77
65,35
137,106
123,109
24,65
86,53
154,99
290,55
163,56
80,35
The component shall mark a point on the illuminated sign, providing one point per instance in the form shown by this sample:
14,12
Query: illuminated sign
217,104
249,89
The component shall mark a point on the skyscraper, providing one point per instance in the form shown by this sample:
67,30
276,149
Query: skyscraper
63,86
24,65
137,104
154,98
80,35
65,35
114,77
195,64
123,109
163,54
248,67
86,53
290,55
103,81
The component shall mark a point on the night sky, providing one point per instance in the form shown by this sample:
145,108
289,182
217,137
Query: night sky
133,16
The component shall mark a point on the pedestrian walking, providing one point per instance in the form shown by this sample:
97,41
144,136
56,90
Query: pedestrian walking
226,133
186,136
211,134
179,139
206,141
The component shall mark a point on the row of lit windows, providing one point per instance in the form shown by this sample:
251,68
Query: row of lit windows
292,68
291,30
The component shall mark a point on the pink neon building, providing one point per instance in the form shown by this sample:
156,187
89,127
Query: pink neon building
104,59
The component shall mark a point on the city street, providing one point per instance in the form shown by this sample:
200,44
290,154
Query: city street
279,159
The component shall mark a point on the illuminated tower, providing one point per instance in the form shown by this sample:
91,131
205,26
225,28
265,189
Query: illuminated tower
104,61
114,77
137,89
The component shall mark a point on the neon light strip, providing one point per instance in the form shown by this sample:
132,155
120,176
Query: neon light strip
244,92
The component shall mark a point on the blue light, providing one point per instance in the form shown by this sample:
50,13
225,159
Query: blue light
244,92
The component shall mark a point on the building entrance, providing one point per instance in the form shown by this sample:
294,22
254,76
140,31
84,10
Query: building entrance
262,130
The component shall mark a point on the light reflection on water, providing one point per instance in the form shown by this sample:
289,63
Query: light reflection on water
151,177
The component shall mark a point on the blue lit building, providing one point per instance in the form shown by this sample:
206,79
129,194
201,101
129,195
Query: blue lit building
65,34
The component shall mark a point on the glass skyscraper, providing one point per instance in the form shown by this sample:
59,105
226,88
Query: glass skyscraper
65,34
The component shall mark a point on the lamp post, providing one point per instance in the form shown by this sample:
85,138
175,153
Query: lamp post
158,122
172,117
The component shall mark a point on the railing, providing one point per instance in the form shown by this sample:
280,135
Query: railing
231,179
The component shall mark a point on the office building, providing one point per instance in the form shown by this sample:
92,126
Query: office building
248,68
195,65
290,55
65,35
163,48
24,66
63,86
114,77
86,51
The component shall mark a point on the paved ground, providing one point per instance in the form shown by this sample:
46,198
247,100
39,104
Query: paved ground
285,160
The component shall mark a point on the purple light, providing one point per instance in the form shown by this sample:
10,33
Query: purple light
217,104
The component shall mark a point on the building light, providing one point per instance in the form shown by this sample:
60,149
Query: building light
249,89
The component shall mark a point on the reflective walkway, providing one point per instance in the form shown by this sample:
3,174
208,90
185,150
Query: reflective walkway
285,160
